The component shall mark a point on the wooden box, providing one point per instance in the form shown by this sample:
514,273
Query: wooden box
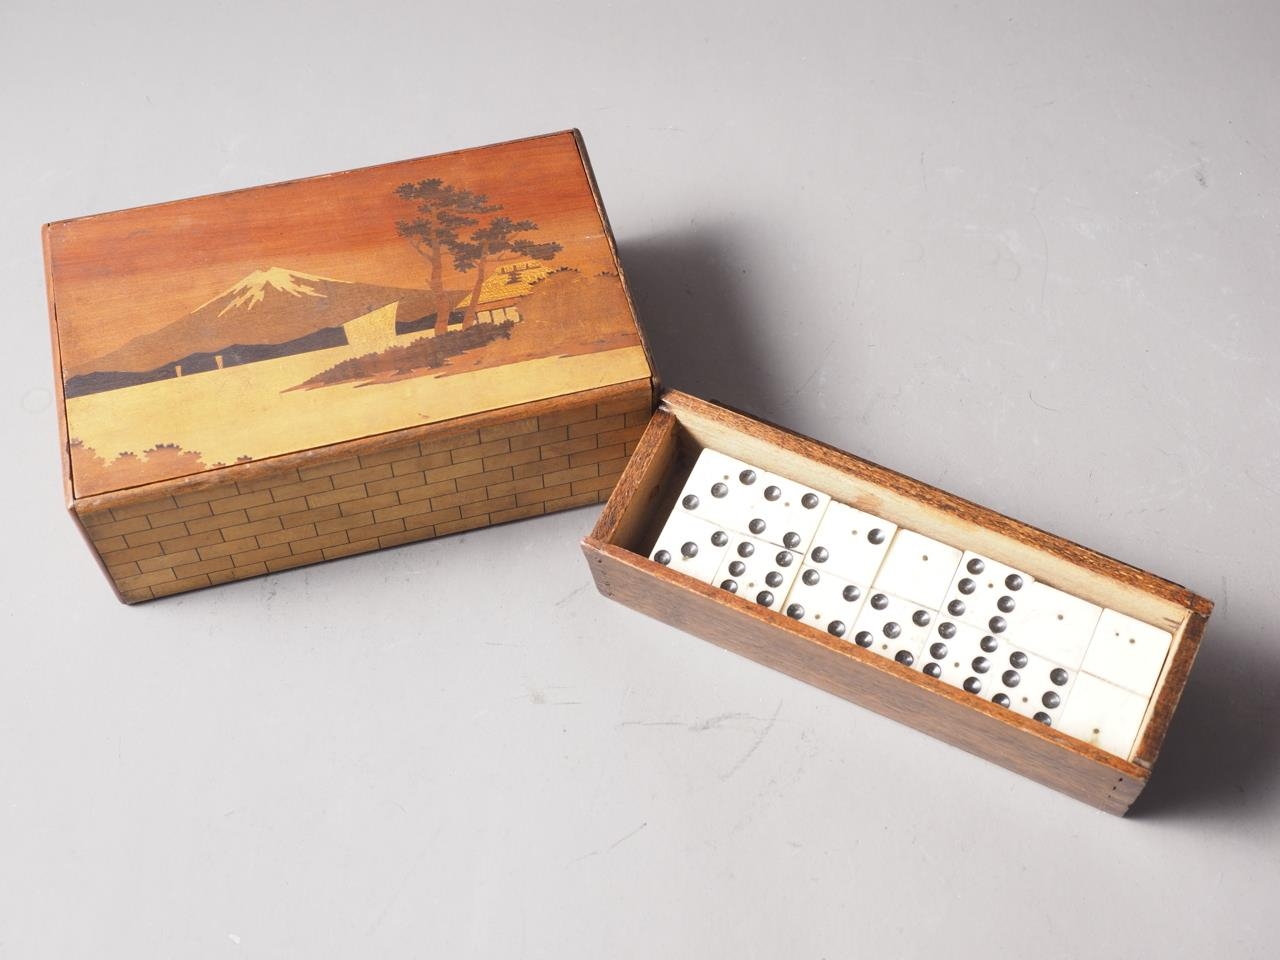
618,547
261,379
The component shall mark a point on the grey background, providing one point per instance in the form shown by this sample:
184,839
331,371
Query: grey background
1027,252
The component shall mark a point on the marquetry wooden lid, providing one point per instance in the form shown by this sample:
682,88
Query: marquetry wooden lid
236,327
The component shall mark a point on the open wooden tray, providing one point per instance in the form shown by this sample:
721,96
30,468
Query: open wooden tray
617,551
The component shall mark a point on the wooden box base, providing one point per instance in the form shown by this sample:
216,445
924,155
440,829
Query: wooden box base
617,553
350,498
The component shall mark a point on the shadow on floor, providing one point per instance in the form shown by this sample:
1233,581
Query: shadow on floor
1222,755
694,296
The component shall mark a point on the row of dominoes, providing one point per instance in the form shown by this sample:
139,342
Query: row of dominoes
961,618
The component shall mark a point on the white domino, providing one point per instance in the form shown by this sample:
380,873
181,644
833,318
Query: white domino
719,490
758,571
918,568
891,626
787,513
825,602
851,544
1127,652
985,593
690,545
746,499
1104,715
960,655
1053,624
1029,684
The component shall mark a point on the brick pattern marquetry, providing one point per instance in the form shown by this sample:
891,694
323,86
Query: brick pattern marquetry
513,469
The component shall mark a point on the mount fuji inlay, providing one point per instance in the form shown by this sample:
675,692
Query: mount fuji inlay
270,313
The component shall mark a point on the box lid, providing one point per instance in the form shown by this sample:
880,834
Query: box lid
239,326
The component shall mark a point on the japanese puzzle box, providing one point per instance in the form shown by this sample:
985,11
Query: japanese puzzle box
261,379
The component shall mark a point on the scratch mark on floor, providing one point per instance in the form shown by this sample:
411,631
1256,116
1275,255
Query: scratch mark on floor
825,352
570,595
613,846
1041,405
804,387
699,726
760,738
539,698
621,840
1261,484
1044,239
712,722
398,889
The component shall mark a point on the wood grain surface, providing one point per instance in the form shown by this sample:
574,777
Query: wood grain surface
255,380
246,325
616,551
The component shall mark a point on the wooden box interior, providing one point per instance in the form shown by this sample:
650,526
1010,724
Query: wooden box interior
646,493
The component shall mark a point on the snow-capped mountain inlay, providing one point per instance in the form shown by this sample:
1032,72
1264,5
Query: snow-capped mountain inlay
269,313
253,289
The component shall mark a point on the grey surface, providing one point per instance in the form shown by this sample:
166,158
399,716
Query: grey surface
1025,252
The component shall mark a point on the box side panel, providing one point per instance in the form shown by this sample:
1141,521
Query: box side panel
639,493
59,391
1173,680
361,496
617,264
887,688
